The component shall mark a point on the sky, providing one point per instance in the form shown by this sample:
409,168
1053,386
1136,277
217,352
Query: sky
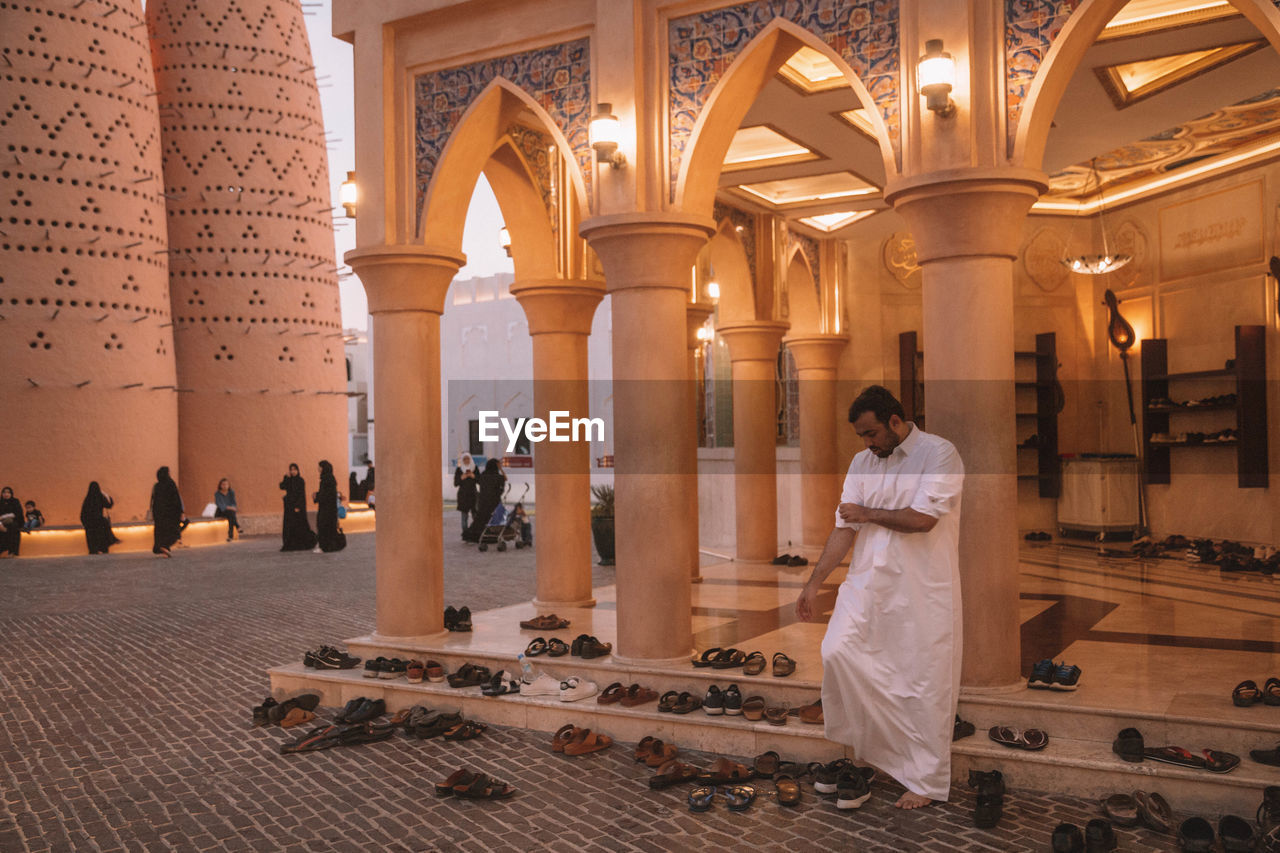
334,77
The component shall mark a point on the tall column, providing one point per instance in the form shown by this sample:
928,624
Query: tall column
967,232
406,287
648,259
559,314
816,359
753,351
696,313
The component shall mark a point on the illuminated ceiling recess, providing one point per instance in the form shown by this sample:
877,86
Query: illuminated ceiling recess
829,222
760,146
1129,82
811,72
809,189
1140,17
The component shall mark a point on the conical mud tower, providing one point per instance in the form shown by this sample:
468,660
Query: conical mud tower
255,297
86,342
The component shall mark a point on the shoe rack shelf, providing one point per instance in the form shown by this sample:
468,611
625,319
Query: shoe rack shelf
1247,379
1048,473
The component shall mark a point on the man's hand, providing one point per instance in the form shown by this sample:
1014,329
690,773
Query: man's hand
807,603
855,513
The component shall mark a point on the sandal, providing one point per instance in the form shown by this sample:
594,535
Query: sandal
668,701
707,657
484,788
776,716
1121,809
557,648
660,753
1270,757
812,713
1271,691
643,748
464,619
700,798
469,675
672,773
1175,755
754,664
585,741
782,665
637,695
788,790
1219,762
548,622
739,797
725,772
766,764
1154,811
536,646
728,659
686,703
753,708
612,694
502,684
459,778
564,735
437,725
962,729
466,730
1246,693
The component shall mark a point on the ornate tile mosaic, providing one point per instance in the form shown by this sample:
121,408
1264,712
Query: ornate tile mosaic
745,223
701,47
535,147
809,247
1030,27
557,77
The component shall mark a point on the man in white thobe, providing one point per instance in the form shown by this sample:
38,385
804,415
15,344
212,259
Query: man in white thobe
891,655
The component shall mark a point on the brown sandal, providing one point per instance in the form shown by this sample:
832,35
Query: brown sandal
725,772
776,716
613,693
484,788
562,737
637,695
673,773
585,741
660,753
460,777
753,708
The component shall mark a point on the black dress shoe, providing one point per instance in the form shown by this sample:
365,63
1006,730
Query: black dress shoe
260,712
368,709
450,619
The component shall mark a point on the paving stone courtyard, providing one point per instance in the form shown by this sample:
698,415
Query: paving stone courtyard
125,695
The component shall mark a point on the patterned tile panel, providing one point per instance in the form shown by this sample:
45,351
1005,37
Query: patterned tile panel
702,47
557,77
535,147
809,247
1030,27
745,223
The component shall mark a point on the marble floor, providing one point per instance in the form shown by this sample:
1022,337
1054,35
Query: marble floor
1158,636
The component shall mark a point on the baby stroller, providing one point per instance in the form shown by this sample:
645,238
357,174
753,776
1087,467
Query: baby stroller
503,526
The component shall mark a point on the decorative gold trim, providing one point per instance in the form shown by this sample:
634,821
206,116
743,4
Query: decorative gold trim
1109,75
1173,21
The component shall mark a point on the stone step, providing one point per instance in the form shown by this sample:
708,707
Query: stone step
726,735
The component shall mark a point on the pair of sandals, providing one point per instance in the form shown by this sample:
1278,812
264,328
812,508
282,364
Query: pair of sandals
470,675
1195,835
752,664
555,647
1031,739
473,786
548,622
653,752
327,737
673,772
1246,693
503,683
678,703
571,740
1149,810
628,697
783,665
738,798
588,647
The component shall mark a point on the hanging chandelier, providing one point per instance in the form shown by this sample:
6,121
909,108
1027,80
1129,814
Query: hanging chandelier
1106,261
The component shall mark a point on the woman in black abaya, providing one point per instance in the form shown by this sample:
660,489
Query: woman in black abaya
166,513
296,531
93,516
491,482
11,525
464,480
330,538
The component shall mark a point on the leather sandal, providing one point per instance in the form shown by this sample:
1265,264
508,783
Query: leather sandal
563,736
728,659
590,647
1246,693
537,646
642,749
1154,811
753,708
466,730
766,764
782,665
557,648
436,726
672,773
548,622
458,778
754,664
484,788
812,713
1121,809
788,790
725,772
660,753
637,695
1271,691
686,703
585,741
707,657
612,694
777,715
668,701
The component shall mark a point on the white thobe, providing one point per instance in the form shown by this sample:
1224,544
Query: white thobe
891,655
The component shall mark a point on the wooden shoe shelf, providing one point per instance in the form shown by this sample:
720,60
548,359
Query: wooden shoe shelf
1247,379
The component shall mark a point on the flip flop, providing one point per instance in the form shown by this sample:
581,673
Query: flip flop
700,798
467,730
557,648
788,790
1219,762
754,664
1175,755
536,646
739,797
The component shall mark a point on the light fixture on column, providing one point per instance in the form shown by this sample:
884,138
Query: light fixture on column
606,136
348,194
704,334
1106,261
504,240
936,75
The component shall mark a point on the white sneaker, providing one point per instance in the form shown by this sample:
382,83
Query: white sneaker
573,689
543,685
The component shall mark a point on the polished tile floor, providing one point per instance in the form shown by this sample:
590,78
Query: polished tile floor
1158,635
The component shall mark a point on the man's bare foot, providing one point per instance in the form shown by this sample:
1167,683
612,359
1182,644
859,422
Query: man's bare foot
910,800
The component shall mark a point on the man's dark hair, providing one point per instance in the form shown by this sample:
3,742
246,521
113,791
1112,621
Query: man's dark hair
879,401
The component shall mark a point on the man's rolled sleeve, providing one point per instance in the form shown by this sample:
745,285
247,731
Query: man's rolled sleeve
850,494
941,484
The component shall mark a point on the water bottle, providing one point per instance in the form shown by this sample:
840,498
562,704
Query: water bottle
528,670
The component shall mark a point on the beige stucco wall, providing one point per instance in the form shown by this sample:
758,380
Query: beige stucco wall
85,341
259,335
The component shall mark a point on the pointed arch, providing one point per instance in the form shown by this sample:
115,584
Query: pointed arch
480,131
728,259
1030,133
721,113
524,213
803,310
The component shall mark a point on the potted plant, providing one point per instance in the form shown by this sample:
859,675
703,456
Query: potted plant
602,522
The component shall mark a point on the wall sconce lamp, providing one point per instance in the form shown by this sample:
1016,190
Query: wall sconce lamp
713,290
936,77
704,334
606,136
347,194
504,240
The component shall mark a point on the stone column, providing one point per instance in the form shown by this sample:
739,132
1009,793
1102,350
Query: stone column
820,474
406,287
696,313
648,260
559,314
967,228
753,351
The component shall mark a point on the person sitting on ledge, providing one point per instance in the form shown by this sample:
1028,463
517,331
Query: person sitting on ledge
35,518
